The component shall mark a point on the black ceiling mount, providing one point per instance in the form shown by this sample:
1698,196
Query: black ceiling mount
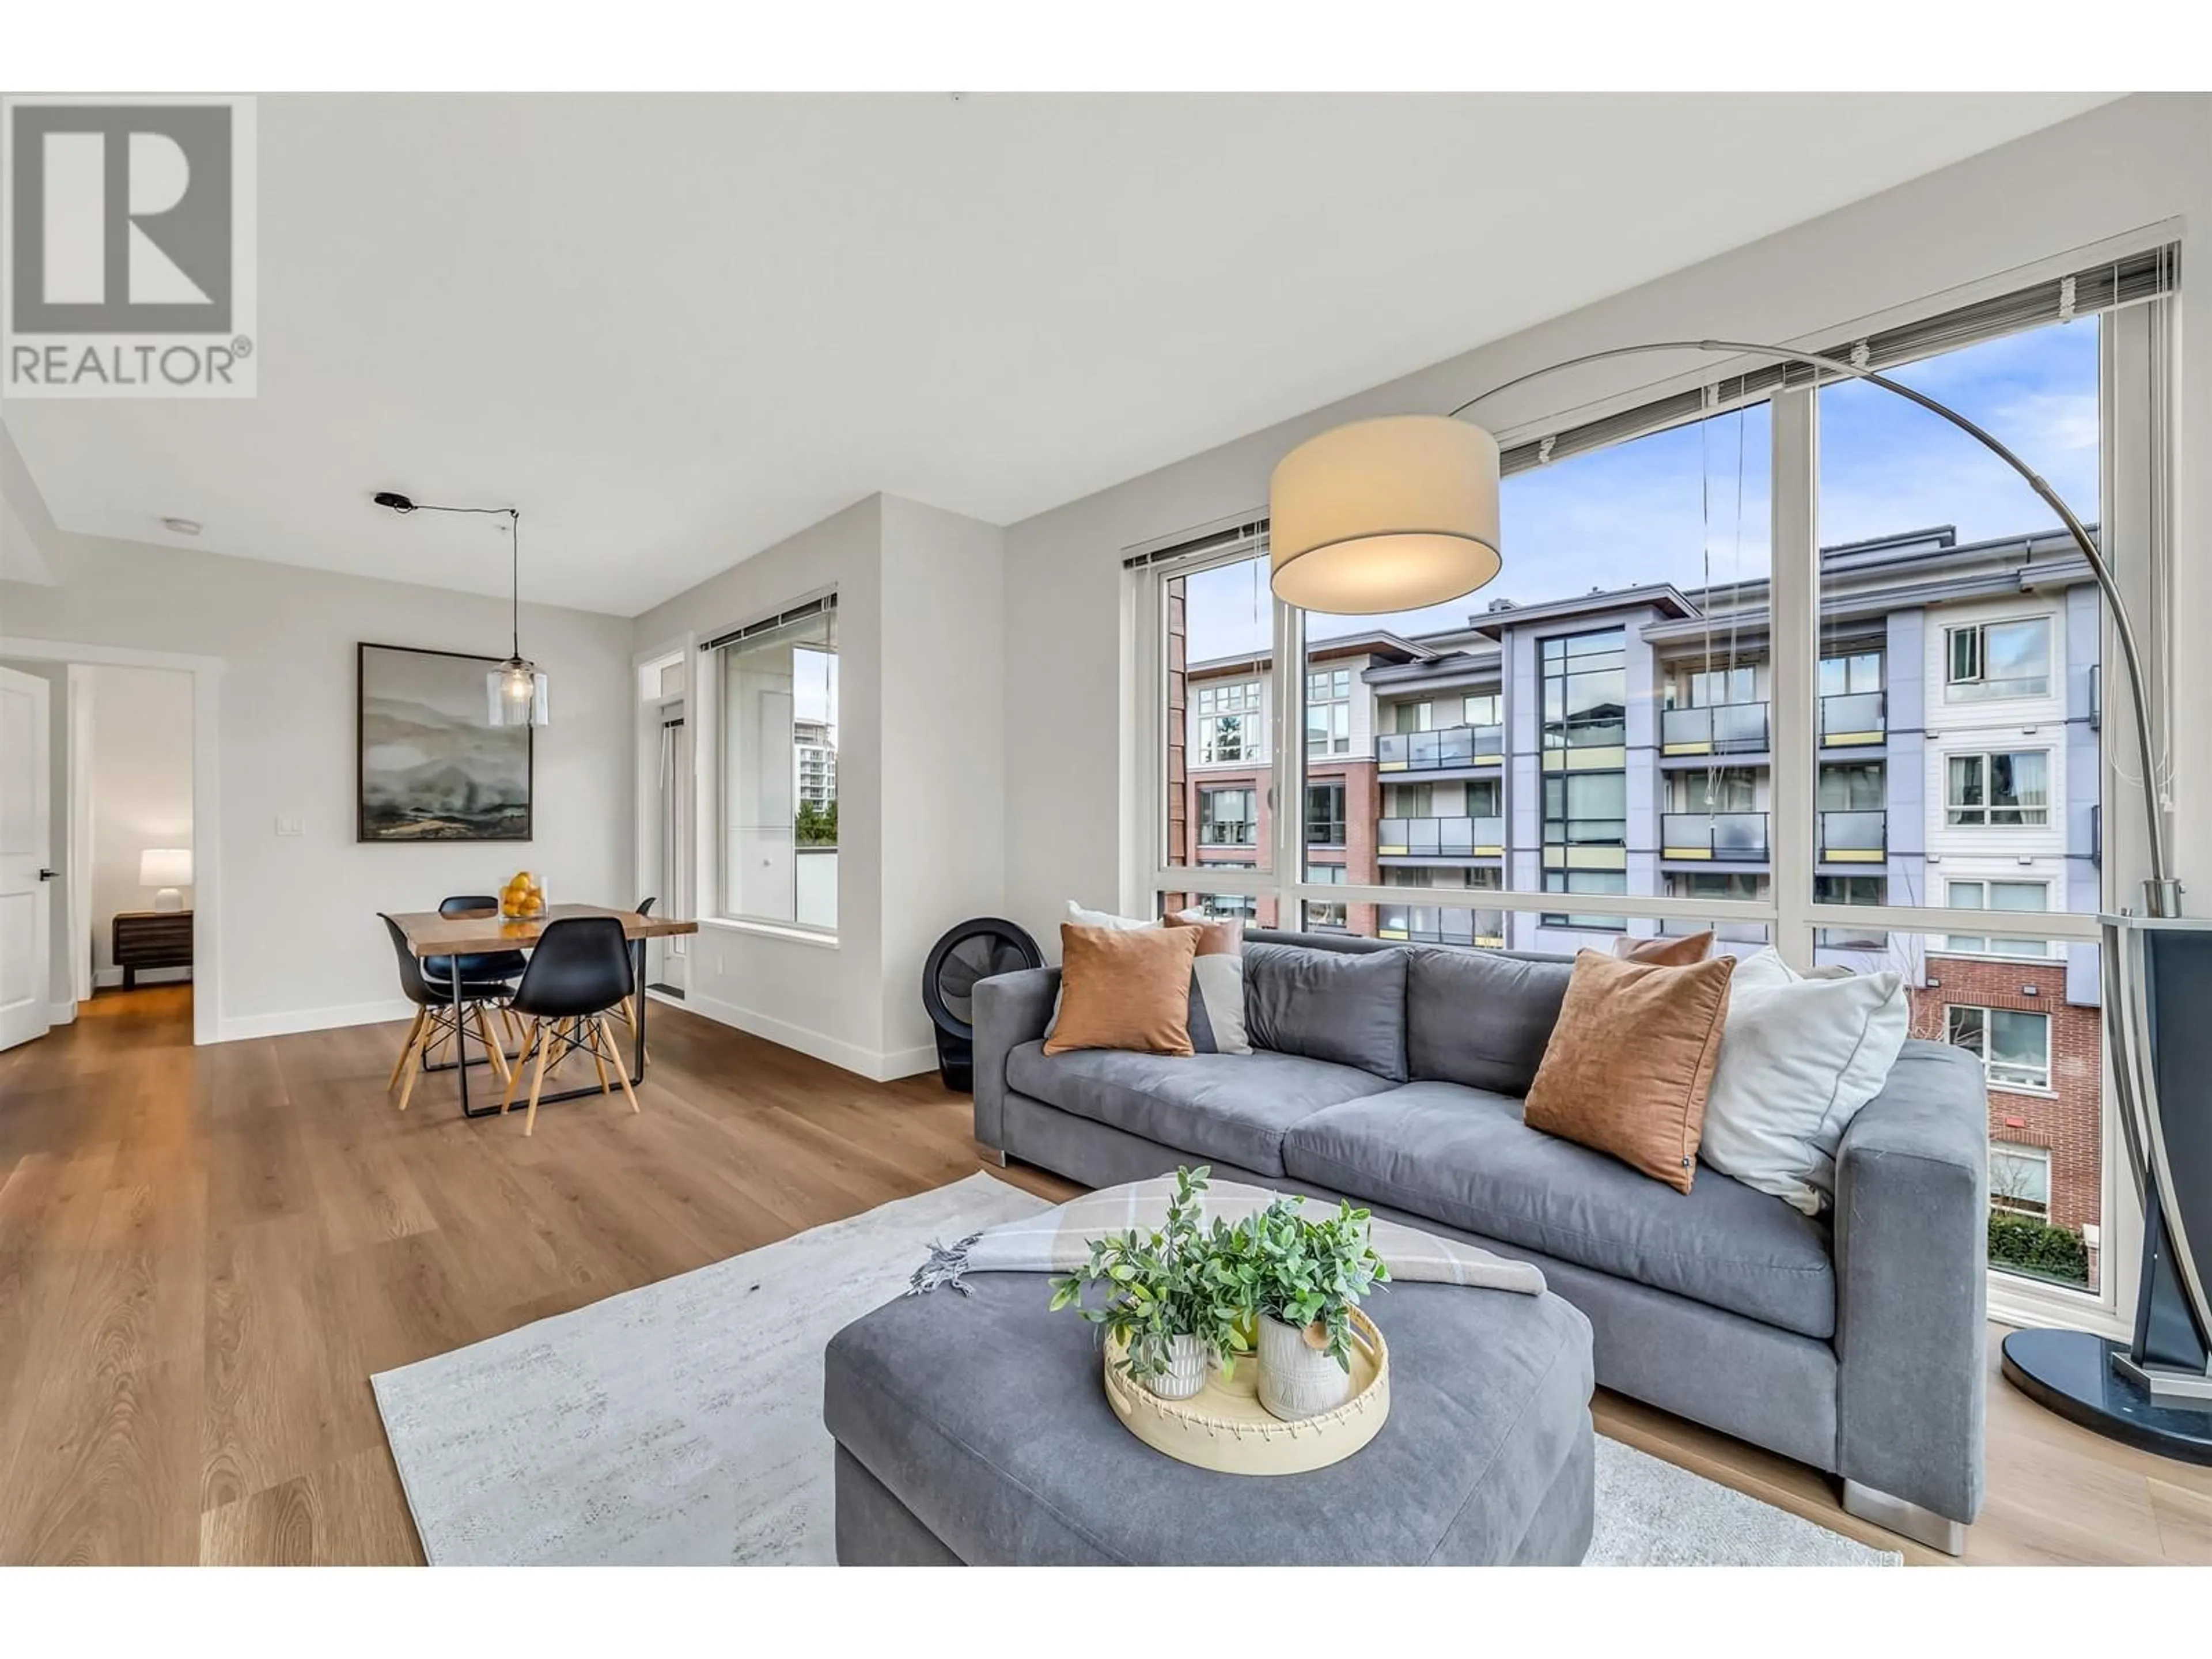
394,499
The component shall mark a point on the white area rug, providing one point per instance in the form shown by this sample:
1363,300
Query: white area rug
682,1422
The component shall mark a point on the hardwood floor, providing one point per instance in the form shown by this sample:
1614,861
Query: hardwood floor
206,1253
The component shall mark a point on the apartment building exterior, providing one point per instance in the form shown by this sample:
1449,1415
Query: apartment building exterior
1620,743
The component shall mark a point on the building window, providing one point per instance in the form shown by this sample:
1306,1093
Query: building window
2000,789
1715,885
1486,708
2014,1045
1227,818
1325,915
2020,1178
1851,889
1586,691
1325,815
1328,711
1228,722
1222,907
1586,809
1720,789
1998,659
1586,881
1709,688
1857,671
1854,788
778,685
2032,897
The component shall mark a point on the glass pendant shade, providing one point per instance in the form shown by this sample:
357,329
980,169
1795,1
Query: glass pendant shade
1387,514
517,694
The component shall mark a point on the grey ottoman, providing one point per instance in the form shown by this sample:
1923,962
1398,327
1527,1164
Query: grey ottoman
974,1429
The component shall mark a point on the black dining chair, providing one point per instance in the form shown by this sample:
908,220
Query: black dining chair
436,1017
476,965
627,1012
579,973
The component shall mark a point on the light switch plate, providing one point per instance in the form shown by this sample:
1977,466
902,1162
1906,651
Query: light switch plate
289,825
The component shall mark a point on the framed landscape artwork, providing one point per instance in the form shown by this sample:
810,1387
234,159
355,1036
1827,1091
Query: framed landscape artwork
433,767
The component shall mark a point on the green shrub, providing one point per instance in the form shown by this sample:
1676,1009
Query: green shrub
2031,1246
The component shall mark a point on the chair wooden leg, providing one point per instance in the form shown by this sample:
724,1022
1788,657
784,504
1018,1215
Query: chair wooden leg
620,1070
598,1061
537,1088
406,1049
419,1054
498,1055
531,1030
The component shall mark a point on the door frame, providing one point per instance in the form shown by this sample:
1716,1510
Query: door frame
207,798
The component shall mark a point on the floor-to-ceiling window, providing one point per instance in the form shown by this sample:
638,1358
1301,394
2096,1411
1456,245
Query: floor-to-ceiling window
1610,737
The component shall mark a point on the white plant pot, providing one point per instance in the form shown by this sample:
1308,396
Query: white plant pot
1186,1371
1298,1380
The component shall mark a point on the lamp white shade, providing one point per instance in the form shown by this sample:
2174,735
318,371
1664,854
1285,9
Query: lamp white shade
166,866
1387,514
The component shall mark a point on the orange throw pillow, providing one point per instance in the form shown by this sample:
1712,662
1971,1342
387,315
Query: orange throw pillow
1125,988
1631,1060
1667,950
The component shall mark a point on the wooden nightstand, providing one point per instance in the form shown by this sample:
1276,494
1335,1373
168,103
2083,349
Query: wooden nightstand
151,939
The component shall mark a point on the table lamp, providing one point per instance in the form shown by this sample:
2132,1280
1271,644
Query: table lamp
167,868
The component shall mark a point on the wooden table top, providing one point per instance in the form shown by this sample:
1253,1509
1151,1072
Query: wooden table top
430,934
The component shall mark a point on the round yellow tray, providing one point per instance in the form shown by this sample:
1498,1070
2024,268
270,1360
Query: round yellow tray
1227,1430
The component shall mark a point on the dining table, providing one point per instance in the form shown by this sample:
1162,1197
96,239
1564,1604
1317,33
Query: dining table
479,933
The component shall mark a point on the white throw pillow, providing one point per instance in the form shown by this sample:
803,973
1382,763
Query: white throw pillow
1799,1057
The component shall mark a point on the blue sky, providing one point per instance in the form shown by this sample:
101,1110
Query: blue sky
1665,507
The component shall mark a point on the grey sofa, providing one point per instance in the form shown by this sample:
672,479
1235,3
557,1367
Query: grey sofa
1394,1075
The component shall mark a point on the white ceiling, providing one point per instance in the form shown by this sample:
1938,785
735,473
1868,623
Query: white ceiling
676,329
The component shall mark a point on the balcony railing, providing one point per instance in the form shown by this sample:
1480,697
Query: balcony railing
1722,837
1856,836
1440,838
1724,932
1438,751
1727,728
1853,720
1444,924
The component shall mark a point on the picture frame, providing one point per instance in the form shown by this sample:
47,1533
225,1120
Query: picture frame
429,765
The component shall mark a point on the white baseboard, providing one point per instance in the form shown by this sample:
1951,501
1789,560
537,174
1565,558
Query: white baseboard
870,1063
108,979
295,1020
61,1013
908,1062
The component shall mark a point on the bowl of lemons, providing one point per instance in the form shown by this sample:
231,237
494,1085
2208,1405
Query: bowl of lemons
522,898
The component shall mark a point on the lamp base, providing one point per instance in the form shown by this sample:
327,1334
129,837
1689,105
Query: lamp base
169,899
2074,1374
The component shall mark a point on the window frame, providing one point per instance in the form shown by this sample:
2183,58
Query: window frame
2005,1080
1250,821
1976,634
1954,810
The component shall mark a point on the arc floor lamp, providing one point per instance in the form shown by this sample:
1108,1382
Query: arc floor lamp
1400,512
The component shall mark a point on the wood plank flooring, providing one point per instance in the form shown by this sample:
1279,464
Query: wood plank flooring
206,1253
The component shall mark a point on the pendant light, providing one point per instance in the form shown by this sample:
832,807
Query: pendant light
1387,514
515,691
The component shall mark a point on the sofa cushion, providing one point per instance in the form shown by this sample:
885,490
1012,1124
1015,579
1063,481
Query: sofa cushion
1463,1156
1478,1018
1232,1107
1328,1005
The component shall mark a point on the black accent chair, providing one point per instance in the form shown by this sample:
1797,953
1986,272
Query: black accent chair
627,1012
437,1019
578,974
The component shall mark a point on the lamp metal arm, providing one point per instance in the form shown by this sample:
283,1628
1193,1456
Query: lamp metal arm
2163,892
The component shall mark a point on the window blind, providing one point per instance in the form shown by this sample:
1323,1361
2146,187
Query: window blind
2100,287
770,624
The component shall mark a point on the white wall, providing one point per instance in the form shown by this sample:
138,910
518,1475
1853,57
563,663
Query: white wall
301,946
142,795
2129,165
946,717
920,764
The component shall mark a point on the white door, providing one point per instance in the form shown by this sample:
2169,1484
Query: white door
25,826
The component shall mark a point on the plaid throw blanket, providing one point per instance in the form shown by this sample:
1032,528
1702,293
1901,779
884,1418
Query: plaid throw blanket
1058,1241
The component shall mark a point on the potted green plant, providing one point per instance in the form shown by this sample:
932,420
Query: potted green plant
1307,1276
1163,1303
